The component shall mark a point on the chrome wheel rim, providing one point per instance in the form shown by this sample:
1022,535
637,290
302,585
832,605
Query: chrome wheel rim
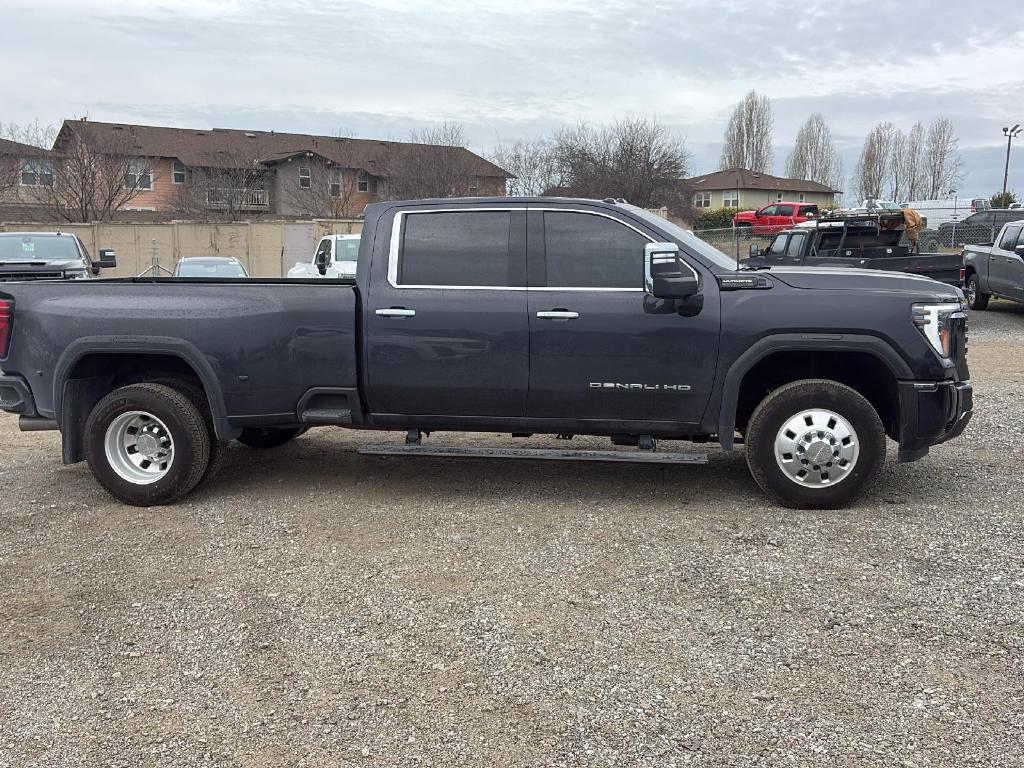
971,289
139,447
817,448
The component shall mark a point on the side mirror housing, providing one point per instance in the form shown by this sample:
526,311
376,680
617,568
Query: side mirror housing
754,251
666,276
1019,249
321,263
107,260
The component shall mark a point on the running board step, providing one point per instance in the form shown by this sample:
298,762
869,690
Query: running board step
636,457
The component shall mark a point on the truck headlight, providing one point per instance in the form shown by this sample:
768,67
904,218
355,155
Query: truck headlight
935,321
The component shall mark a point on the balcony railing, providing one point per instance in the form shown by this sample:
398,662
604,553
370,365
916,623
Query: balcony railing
228,197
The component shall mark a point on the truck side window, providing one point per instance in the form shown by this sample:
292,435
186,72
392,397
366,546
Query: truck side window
460,248
1009,239
587,251
784,210
796,244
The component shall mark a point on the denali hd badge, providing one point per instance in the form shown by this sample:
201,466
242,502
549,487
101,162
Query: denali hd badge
655,387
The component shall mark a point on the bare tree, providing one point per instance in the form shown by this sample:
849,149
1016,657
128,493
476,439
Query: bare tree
636,158
898,160
93,176
434,163
749,135
532,165
227,185
815,156
873,167
29,149
328,191
943,165
913,163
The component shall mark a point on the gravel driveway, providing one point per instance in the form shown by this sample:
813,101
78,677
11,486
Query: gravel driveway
313,607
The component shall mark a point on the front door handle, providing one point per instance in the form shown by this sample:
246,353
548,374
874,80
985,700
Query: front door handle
396,312
558,314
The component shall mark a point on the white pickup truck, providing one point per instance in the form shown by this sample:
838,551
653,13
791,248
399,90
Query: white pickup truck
335,257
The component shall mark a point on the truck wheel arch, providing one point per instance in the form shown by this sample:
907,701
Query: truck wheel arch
767,346
133,347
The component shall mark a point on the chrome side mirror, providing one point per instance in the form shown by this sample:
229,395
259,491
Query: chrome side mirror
664,273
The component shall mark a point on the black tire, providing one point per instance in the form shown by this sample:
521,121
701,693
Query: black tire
975,298
269,437
790,400
195,393
187,428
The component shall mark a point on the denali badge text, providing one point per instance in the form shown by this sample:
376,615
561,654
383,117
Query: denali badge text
619,385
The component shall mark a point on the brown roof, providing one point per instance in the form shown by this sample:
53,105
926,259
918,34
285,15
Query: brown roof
16,148
228,147
741,178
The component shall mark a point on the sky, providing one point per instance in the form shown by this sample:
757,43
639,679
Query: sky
508,70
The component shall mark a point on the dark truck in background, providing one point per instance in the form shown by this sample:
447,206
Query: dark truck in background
996,269
862,240
513,315
49,256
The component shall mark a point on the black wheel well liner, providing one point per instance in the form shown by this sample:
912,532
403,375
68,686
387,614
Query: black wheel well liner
867,363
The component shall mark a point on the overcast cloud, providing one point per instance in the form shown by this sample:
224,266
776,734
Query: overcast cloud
508,70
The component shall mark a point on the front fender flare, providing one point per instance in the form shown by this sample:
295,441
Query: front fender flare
797,342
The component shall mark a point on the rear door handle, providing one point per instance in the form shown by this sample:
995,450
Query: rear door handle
396,312
558,314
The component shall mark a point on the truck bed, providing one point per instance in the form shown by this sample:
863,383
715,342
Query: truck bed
264,342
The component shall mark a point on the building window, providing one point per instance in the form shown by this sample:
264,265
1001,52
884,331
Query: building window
336,182
803,197
702,200
305,180
36,173
363,181
474,184
778,197
731,199
177,172
138,175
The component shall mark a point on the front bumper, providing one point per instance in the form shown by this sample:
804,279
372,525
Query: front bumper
932,412
16,397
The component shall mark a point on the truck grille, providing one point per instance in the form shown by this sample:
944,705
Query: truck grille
13,277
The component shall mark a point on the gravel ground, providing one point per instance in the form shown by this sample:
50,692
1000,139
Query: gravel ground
313,607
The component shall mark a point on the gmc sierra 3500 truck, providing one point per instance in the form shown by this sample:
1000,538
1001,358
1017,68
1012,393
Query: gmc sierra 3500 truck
996,269
512,315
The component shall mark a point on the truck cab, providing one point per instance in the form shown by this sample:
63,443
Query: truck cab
335,256
996,269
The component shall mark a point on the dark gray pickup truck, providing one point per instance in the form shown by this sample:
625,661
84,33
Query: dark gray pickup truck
547,315
996,269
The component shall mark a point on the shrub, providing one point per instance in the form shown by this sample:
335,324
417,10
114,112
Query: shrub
716,218
1003,199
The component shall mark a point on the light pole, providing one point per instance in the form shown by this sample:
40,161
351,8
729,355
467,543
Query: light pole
1009,133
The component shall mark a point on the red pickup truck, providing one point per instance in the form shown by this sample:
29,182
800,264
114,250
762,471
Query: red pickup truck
775,217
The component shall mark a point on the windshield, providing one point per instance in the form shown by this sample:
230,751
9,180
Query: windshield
17,247
688,239
210,269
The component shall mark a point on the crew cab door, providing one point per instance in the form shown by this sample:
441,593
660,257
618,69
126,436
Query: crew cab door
1005,265
600,348
446,331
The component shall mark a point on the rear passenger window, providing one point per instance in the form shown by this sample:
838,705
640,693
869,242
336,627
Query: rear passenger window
1009,239
462,249
784,210
587,251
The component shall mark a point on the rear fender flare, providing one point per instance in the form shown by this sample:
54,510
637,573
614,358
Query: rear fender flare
146,345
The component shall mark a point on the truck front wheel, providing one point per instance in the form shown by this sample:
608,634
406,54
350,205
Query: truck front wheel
815,444
147,444
975,298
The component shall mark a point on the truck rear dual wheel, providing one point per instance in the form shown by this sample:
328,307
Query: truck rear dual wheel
975,298
147,444
269,437
815,444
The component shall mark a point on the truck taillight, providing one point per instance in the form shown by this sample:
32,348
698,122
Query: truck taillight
6,321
